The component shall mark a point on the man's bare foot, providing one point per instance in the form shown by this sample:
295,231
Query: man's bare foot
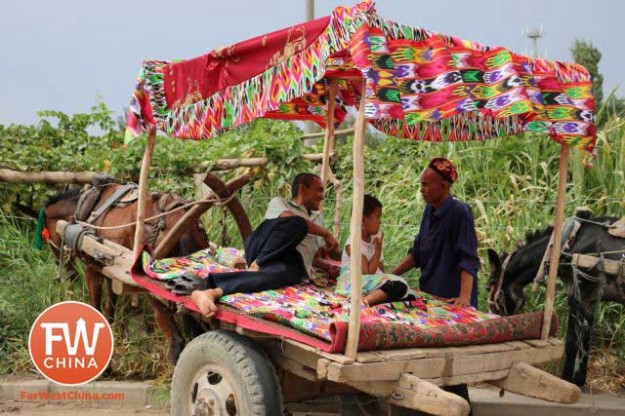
238,263
205,300
254,267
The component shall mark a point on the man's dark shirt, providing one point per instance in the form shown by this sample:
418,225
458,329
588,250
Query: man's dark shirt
445,245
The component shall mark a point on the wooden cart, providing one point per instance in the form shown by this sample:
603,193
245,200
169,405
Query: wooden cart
314,71
234,370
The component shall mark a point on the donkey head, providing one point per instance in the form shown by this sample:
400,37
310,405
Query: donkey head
505,293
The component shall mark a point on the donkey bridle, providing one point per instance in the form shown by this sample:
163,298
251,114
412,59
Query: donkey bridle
497,299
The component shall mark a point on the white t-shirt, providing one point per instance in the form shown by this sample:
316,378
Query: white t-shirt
367,249
311,243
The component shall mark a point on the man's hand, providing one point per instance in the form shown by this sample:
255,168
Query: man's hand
327,265
461,301
331,244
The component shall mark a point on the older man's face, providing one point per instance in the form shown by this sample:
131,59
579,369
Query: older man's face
434,189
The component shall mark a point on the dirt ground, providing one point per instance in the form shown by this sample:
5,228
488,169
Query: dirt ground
74,409
79,409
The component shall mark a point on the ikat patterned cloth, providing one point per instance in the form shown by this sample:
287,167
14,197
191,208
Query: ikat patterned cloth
313,307
201,263
419,84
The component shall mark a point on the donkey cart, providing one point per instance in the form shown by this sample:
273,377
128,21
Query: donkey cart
266,349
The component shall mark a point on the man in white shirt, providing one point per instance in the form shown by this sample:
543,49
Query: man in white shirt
306,195
284,247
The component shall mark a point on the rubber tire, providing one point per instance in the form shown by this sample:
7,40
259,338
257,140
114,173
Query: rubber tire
254,375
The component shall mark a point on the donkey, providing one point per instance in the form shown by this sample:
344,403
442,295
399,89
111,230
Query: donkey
63,207
510,273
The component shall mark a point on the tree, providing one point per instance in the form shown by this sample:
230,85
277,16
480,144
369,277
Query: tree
587,55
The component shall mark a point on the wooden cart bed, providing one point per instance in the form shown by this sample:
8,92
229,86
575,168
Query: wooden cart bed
407,377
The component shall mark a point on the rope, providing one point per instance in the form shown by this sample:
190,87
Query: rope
603,224
217,202
600,253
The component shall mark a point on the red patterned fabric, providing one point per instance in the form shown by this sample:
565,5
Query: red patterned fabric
420,85
380,327
193,80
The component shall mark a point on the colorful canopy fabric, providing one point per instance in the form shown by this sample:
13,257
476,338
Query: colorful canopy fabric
419,84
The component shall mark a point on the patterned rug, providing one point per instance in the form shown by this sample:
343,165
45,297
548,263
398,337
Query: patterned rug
314,308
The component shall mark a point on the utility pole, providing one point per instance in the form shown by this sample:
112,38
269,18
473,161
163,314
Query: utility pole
534,35
308,125
310,10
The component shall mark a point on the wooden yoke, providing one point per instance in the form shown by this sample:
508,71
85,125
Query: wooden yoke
223,191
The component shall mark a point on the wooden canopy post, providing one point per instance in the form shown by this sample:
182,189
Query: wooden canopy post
557,240
143,192
353,332
329,133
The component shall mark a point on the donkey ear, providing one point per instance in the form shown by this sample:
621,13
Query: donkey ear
493,259
26,210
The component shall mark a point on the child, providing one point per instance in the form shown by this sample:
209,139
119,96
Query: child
377,286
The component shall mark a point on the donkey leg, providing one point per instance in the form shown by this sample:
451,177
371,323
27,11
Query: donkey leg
94,284
571,346
165,321
109,302
578,341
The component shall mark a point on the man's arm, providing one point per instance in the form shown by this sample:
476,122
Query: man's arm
331,244
406,264
466,287
466,250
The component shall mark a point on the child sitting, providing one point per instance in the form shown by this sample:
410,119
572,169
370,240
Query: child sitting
377,286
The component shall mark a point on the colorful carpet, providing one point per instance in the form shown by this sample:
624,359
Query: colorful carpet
313,309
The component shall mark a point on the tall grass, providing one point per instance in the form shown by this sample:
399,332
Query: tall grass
28,286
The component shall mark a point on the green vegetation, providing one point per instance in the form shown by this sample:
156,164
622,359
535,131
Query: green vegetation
510,184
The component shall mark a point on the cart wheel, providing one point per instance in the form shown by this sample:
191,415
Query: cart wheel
221,373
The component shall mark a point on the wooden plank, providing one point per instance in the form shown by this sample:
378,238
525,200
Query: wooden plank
322,368
416,353
291,366
294,348
484,376
424,368
429,398
612,267
417,394
517,345
529,381
442,367
537,343
555,341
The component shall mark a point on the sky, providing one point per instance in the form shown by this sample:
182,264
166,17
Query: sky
67,55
